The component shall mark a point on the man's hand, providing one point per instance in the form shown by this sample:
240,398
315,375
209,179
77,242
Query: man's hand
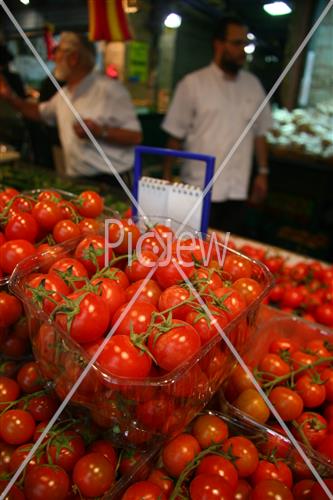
93,126
259,189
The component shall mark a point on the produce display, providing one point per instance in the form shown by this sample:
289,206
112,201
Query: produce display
165,359
225,458
303,288
133,429
305,131
292,360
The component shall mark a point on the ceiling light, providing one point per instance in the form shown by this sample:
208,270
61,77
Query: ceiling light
251,36
173,21
249,49
277,8
25,2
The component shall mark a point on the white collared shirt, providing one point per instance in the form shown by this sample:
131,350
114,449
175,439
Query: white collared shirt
209,112
105,101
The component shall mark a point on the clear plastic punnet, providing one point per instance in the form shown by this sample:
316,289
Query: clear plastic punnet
139,411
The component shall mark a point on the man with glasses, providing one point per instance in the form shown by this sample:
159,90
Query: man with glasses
104,105
210,109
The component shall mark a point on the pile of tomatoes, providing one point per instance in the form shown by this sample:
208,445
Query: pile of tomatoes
220,458
74,461
304,288
163,328
30,223
14,331
296,373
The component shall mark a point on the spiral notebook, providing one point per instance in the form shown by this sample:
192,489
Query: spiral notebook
162,198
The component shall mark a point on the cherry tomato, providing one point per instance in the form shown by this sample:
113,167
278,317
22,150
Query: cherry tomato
65,230
112,293
271,489
14,494
47,214
220,466
267,470
246,453
22,226
20,453
311,391
209,429
230,300
173,347
47,290
324,314
65,450
91,253
174,271
160,478
106,448
326,447
16,426
141,265
243,490
250,402
237,266
150,291
178,452
123,236
144,490
89,204
137,319
283,346
287,403
69,270
10,309
313,427
175,296
89,226
93,474
249,288
317,491
12,252
46,481
206,327
273,366
302,489
29,378
210,487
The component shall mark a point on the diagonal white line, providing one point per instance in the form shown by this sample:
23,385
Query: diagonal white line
72,108
242,363
77,383
256,114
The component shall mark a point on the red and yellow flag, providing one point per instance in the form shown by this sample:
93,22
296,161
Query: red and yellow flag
107,21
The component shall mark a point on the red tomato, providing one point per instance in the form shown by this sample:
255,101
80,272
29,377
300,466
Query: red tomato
150,291
112,293
302,489
22,226
323,313
209,429
89,226
273,366
9,390
243,490
276,293
49,195
65,230
91,253
12,252
89,204
283,346
317,492
29,378
47,214
106,448
231,301
173,347
160,478
313,426
267,470
175,296
311,391
249,288
326,447
206,327
10,309
174,271
271,489
205,279
327,377
237,266
16,426
93,474
65,450
250,402
210,487
246,453
287,403
220,466
21,453
43,407
46,481
144,490
124,236
320,347
152,414
90,317
137,318
178,452
302,359
141,264
46,291
70,271
292,297
120,357
15,493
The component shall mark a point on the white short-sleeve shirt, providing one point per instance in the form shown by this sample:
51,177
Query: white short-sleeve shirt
105,101
209,112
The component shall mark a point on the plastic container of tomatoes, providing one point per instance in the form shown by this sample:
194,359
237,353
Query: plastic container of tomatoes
282,340
136,411
270,446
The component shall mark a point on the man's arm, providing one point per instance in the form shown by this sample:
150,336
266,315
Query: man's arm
172,143
112,135
260,184
27,108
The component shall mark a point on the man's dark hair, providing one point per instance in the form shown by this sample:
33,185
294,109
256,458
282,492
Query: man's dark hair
223,24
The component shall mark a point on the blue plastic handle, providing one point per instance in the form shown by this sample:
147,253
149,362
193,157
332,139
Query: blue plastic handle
209,160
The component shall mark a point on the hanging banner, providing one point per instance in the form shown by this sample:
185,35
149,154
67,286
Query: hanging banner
107,21
137,61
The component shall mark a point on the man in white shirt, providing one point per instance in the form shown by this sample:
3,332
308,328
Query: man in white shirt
209,111
104,105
